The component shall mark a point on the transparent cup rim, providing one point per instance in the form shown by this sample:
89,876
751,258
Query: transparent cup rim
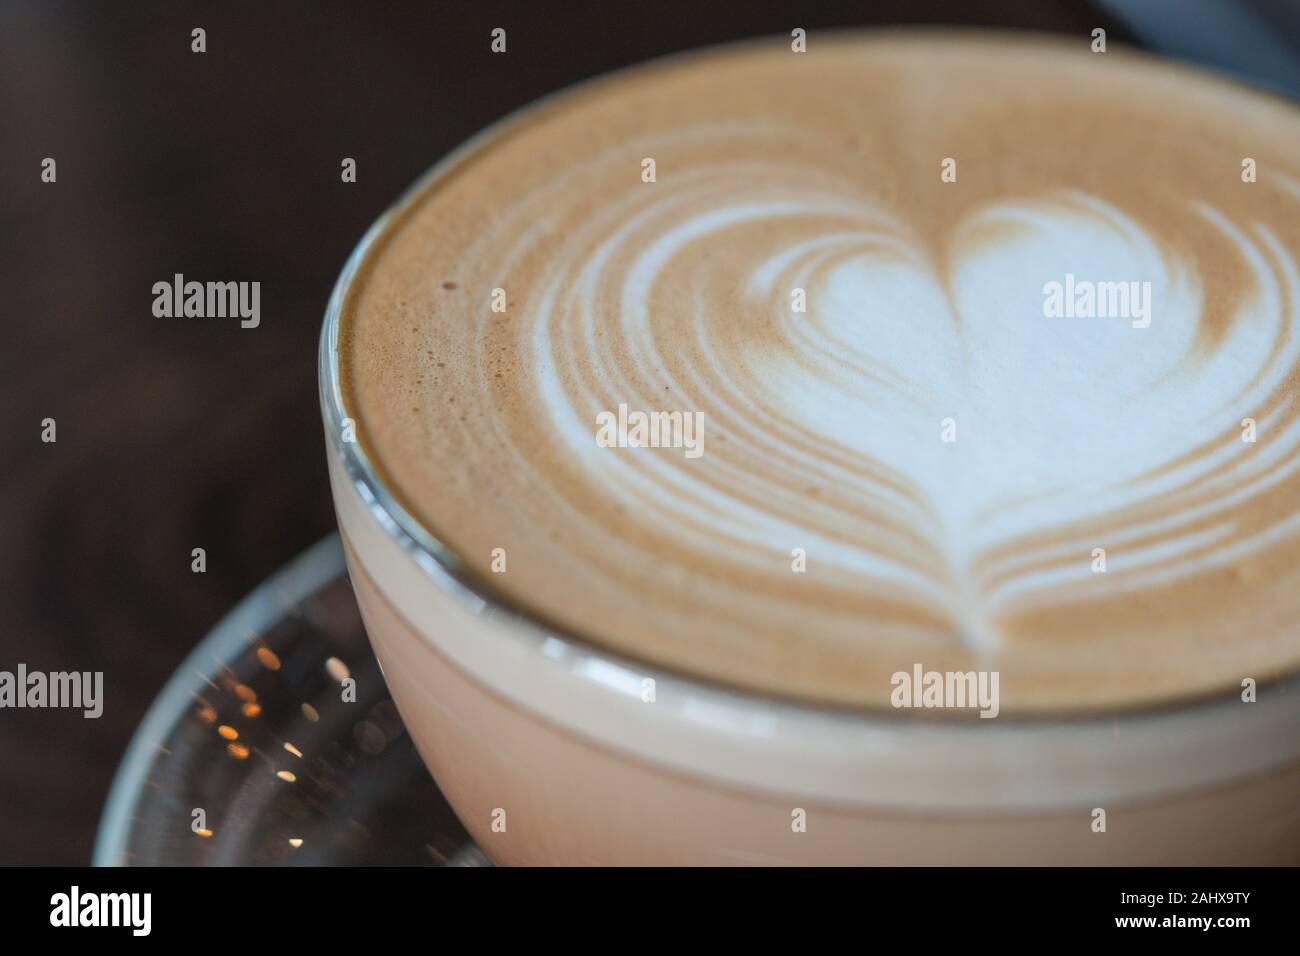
447,570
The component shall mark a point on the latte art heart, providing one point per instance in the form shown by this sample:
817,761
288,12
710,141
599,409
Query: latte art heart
1105,508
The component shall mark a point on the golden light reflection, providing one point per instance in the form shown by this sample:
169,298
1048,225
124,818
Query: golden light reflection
295,842
287,776
337,669
203,832
292,749
228,732
268,658
309,712
207,713
245,693
238,751
251,709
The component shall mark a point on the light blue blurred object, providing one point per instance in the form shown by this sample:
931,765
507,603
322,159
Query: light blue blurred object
1258,40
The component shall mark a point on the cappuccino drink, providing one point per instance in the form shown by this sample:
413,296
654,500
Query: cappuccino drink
885,453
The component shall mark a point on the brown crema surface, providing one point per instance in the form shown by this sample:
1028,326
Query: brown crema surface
1106,512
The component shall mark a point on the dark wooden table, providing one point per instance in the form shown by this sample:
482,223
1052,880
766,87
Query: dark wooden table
175,434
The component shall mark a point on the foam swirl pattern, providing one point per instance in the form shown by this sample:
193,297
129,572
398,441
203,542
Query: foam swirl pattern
823,429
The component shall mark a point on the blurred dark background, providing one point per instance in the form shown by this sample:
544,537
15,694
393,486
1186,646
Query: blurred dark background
182,433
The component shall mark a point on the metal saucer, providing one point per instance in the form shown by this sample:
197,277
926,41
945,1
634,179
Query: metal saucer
253,754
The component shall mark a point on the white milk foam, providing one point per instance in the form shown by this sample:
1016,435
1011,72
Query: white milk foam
824,430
